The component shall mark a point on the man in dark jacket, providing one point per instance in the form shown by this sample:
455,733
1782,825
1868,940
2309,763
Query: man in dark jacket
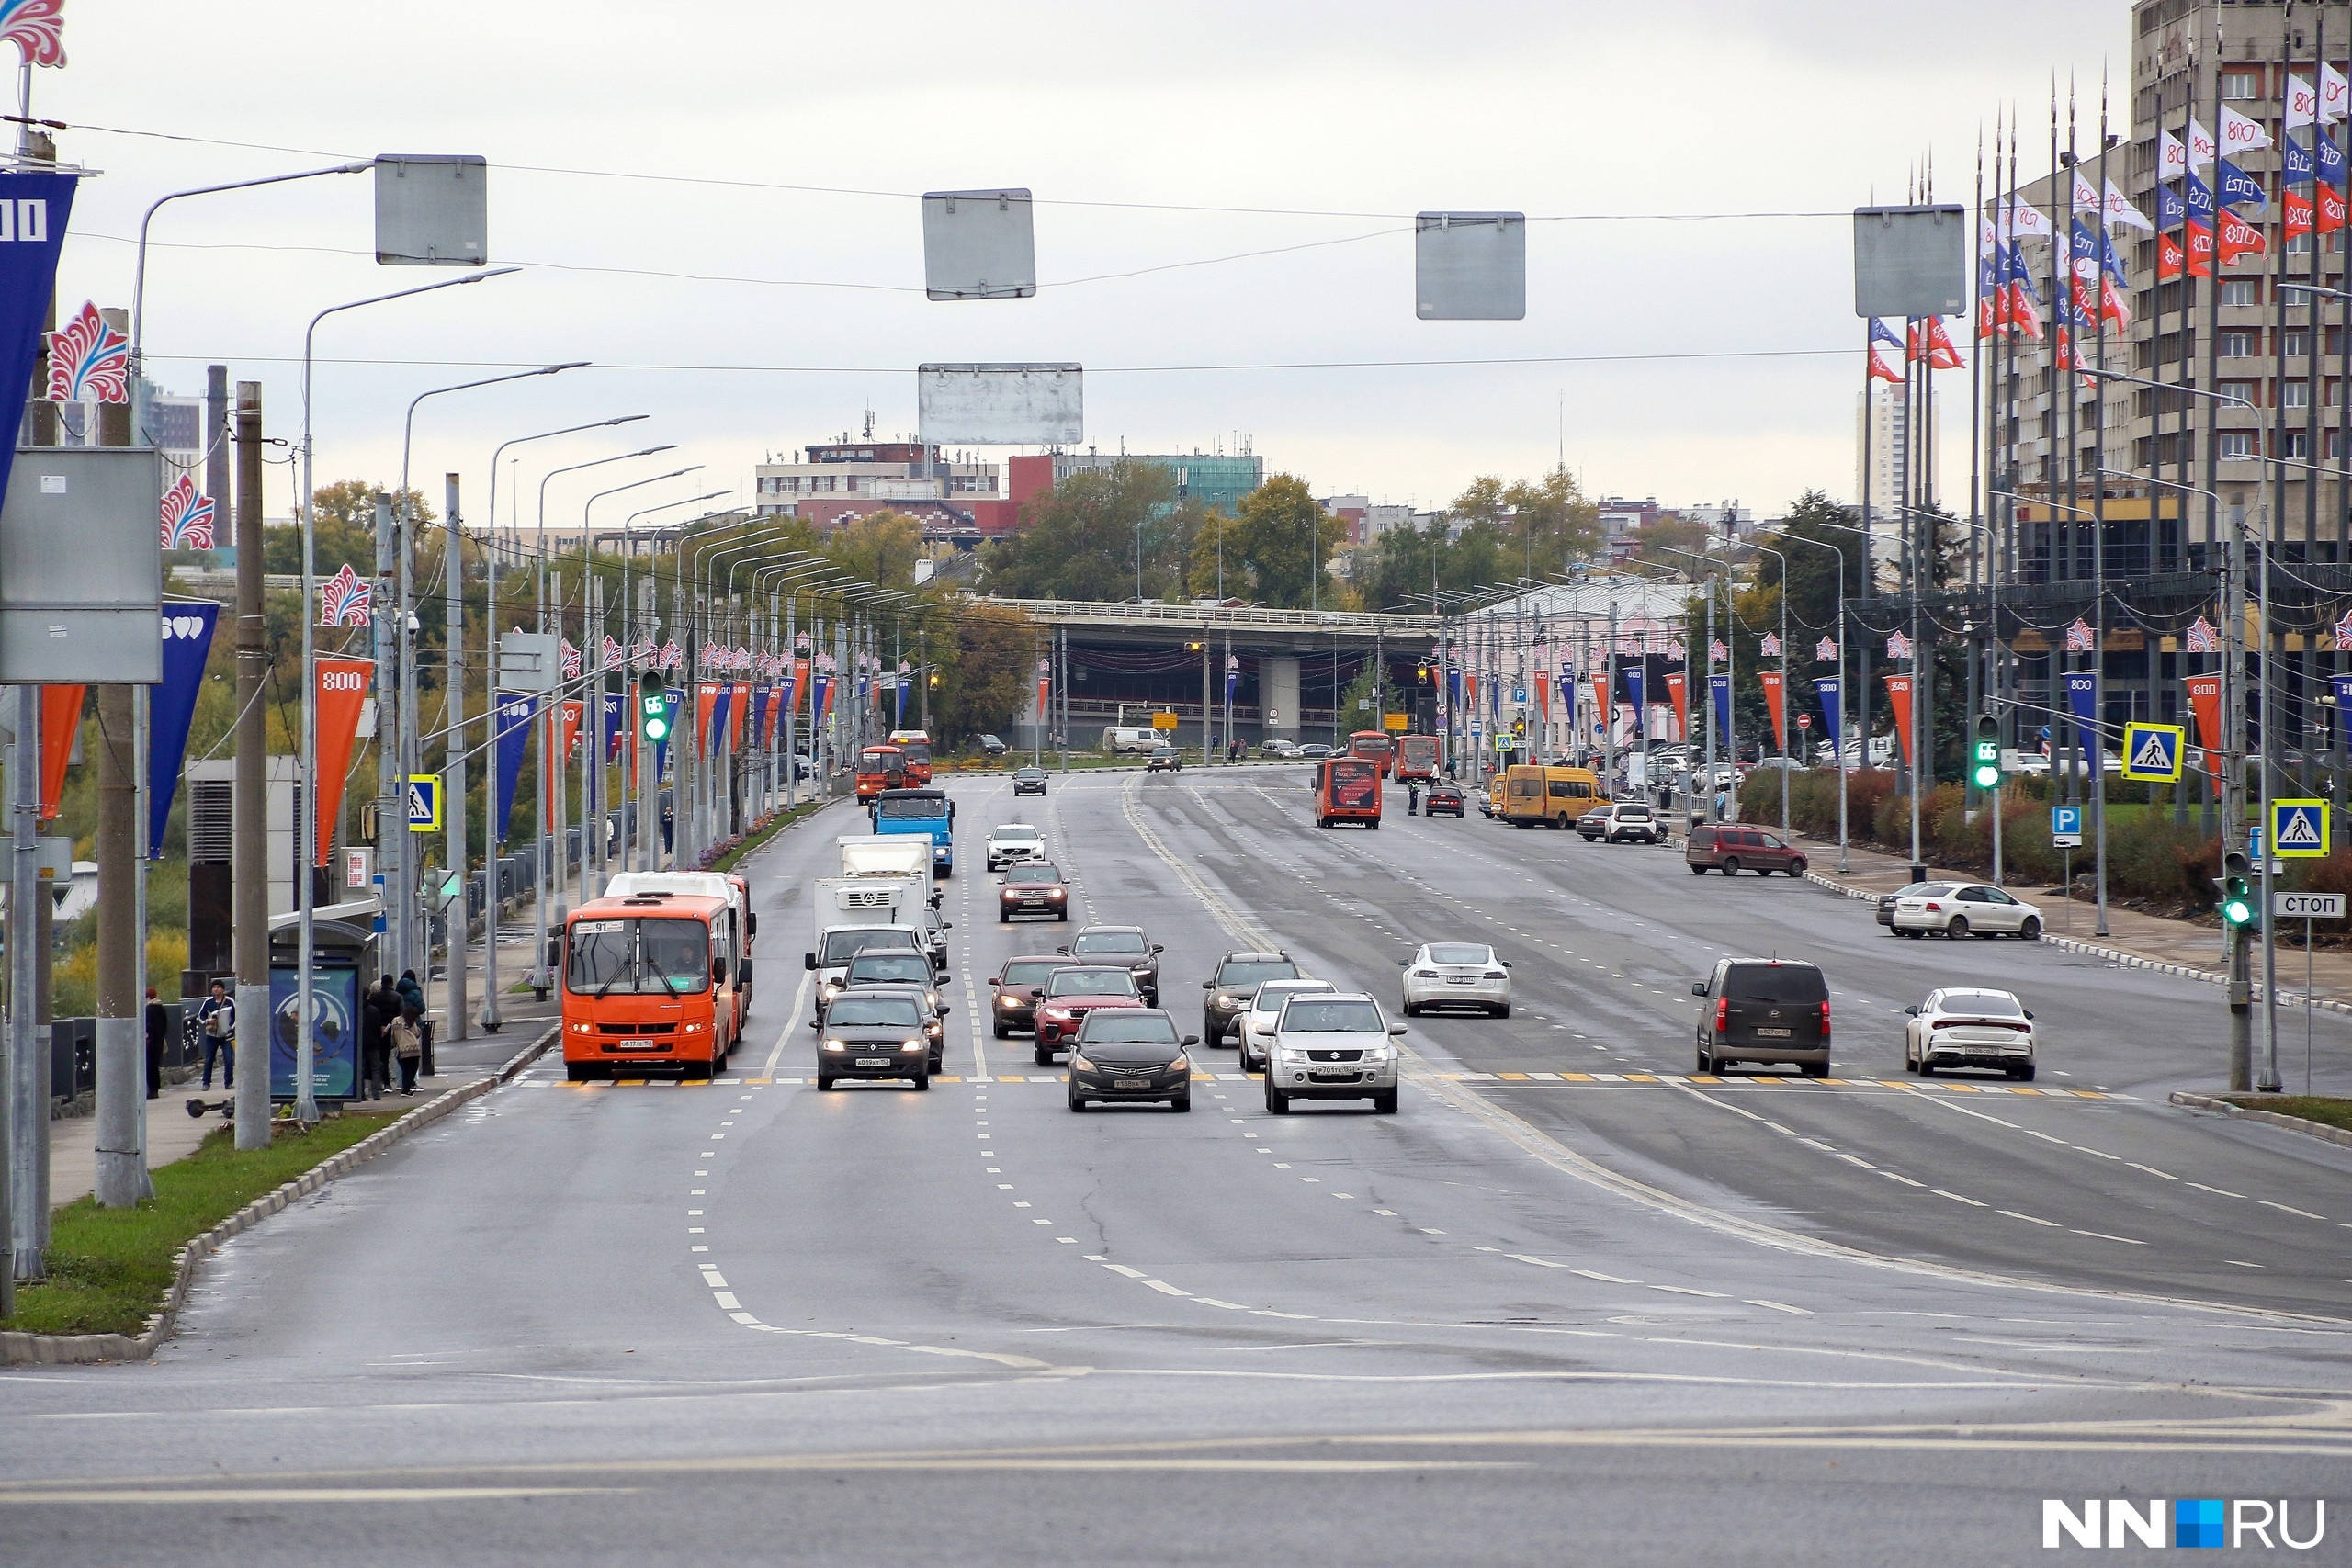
376,1008
159,1022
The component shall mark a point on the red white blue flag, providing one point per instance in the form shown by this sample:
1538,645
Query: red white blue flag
2078,636
187,517
345,599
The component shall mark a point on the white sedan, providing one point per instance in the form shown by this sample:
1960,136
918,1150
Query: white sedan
1013,842
1457,974
1257,1028
1969,1029
1965,909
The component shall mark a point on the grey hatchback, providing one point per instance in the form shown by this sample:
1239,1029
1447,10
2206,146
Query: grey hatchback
1764,1010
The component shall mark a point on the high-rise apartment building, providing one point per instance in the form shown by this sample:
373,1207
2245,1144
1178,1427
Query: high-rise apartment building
1882,444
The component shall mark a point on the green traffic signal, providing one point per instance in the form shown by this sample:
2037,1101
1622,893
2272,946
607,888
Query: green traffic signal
2239,909
1985,757
652,709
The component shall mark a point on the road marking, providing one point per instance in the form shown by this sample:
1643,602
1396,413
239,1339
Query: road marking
1604,1278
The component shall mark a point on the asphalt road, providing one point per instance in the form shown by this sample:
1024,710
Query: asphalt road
1613,1318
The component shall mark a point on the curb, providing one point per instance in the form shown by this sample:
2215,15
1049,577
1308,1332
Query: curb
2292,1123
2123,959
60,1350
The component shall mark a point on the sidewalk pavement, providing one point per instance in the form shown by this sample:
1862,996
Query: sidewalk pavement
2180,947
173,1134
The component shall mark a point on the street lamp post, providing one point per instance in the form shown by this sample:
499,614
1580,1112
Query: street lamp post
306,1104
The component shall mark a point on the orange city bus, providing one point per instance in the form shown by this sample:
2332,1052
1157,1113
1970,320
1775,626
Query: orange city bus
916,744
880,768
651,984
1374,745
1347,789
1416,758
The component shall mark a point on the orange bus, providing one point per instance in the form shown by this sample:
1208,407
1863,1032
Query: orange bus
1416,758
1347,789
916,744
1374,745
651,984
880,768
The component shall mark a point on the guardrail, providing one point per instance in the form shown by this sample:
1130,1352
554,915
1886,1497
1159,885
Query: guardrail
1210,617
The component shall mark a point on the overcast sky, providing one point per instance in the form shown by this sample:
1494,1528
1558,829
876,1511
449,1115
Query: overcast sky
1351,116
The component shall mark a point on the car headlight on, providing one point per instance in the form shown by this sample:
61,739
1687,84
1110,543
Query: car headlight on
1053,892
836,1045
1224,1001
829,990
1078,1063
1181,1065
1004,1001
911,1045
582,1028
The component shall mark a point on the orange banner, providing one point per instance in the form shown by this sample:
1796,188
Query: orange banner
1898,694
1676,686
1603,714
706,700
2205,701
739,708
339,687
60,720
1770,679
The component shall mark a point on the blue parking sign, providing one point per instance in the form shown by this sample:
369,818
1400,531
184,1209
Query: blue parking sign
2066,826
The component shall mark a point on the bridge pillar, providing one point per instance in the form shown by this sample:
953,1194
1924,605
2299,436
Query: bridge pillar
1278,697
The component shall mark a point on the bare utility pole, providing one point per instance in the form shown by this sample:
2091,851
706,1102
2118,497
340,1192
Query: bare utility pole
122,1063
249,797
456,919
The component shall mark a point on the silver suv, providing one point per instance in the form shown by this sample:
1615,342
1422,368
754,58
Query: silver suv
1332,1045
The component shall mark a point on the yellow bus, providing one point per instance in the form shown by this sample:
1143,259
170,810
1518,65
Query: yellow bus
1553,797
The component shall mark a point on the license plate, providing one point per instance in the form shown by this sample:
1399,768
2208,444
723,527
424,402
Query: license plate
1332,1078
1772,1033
1457,979
874,1061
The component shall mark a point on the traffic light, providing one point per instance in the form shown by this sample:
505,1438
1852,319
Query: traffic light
652,709
2239,909
1985,756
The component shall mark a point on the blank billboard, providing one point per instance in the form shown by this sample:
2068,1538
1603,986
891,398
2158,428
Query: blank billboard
1002,405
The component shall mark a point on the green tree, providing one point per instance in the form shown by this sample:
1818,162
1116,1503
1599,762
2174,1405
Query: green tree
346,531
1659,542
985,659
1080,540
1285,537
1812,585
1542,525
881,549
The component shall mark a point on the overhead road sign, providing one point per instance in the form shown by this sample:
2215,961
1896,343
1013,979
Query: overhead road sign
978,244
1472,266
2298,830
432,210
2154,753
1001,405
2065,827
1911,261
423,803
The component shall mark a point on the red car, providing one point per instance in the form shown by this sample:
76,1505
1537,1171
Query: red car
1069,994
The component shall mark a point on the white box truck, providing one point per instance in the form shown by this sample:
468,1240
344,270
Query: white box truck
902,855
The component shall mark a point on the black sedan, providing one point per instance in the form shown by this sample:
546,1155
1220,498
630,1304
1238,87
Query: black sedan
1130,1054
1029,781
1129,945
873,1035
1164,760
1032,888
1444,800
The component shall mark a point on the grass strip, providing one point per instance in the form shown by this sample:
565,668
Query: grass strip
784,820
2327,1109
107,1267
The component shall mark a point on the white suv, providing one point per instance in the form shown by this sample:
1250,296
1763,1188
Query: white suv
1332,1045
1256,1026
1013,842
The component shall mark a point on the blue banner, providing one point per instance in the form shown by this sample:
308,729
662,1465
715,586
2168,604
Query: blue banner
171,706
2300,170
610,733
2082,699
2171,210
2343,705
1719,689
759,714
2239,188
1635,674
1832,717
2331,160
33,213
515,714
2200,199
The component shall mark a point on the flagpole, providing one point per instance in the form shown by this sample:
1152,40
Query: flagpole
1977,392
2099,532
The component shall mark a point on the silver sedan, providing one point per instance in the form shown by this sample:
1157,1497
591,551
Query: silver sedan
1456,975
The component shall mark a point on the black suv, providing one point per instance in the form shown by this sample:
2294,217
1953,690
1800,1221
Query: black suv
1130,945
1238,978
1764,1010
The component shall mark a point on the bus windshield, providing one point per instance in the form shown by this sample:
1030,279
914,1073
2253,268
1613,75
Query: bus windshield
670,956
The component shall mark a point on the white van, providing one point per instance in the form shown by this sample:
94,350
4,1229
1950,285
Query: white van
1119,737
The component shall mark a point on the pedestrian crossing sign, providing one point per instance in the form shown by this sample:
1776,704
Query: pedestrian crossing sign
425,803
2299,829
2153,752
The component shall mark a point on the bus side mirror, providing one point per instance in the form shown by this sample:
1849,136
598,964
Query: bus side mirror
743,973
555,953
718,971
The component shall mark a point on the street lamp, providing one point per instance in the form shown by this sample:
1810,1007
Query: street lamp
305,1105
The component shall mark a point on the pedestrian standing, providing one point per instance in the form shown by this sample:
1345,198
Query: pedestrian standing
216,1020
158,1025
1413,797
412,995
408,1045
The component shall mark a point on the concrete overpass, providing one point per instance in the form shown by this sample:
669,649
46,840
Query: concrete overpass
1291,664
